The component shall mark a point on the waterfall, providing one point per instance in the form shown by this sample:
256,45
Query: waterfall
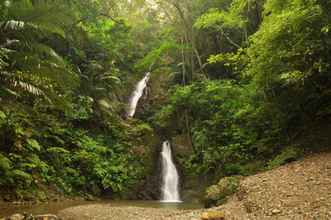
170,177
136,95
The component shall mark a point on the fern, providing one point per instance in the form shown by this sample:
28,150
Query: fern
13,83
12,25
47,16
5,163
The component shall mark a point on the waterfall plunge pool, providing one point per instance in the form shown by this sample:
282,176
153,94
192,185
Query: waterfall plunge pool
7,209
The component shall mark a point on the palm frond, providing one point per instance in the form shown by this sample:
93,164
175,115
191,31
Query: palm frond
46,65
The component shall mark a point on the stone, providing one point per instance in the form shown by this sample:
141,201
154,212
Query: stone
213,215
46,217
16,217
276,211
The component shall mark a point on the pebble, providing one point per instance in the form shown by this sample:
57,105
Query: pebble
276,211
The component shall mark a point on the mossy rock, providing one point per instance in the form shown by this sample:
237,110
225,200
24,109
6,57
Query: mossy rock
218,194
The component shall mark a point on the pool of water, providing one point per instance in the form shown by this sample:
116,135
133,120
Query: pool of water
7,209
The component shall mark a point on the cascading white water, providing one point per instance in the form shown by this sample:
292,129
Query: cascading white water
136,95
170,178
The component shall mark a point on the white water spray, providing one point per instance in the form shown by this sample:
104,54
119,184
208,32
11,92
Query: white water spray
136,95
170,192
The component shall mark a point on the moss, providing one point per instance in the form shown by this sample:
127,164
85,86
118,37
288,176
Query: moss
218,194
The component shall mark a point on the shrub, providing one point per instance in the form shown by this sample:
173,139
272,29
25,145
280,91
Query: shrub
287,155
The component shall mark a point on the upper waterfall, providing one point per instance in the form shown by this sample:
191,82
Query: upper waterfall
170,178
136,95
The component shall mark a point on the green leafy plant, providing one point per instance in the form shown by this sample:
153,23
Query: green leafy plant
287,155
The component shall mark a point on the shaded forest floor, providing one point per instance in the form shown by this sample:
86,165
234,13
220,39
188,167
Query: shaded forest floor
299,190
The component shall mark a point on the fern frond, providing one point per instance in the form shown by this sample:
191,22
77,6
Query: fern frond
48,16
42,62
12,25
27,66
15,83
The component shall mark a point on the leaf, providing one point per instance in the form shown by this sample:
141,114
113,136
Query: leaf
5,163
2,115
57,150
19,174
111,78
12,25
32,144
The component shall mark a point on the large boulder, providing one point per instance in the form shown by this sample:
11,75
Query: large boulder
218,194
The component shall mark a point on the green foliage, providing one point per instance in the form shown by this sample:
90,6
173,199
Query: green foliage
143,128
82,109
5,164
69,159
219,113
288,154
33,145
289,61
268,76
243,77
156,55
31,63
219,19
61,67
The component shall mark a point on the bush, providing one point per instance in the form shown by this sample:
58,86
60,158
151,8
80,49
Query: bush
37,154
287,155
218,194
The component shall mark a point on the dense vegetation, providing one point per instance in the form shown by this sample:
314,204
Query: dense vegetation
62,69
241,79
266,78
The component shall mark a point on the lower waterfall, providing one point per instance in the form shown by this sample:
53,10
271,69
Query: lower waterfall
170,178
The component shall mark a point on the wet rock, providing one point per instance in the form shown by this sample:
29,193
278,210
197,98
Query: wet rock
213,215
